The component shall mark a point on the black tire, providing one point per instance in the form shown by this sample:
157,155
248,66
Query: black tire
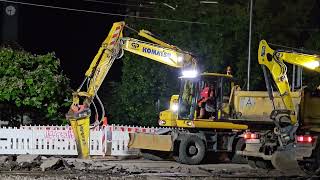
241,145
191,150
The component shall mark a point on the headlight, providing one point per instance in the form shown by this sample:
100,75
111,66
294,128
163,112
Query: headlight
162,122
180,58
189,73
312,64
175,107
190,123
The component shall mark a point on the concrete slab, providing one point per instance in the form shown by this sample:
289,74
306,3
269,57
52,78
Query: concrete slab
28,158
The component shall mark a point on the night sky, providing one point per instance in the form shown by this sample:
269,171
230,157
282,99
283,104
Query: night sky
74,36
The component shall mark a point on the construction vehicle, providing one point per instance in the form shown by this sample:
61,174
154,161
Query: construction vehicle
218,131
112,48
211,133
281,133
292,144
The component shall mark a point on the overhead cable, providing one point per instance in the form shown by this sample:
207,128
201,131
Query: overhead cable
104,13
115,3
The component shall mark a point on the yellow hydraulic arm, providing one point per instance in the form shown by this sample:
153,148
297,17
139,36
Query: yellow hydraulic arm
172,57
274,61
79,113
111,49
285,120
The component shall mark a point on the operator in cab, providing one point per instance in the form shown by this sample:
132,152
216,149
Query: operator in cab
207,103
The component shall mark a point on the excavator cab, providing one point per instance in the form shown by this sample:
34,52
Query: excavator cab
185,108
209,93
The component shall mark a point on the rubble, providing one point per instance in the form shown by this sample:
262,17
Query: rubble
12,158
3,159
9,166
28,158
27,162
51,163
134,170
73,168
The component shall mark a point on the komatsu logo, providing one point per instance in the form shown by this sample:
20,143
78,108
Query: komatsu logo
155,52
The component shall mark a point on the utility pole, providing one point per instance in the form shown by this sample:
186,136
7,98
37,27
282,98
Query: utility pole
8,23
249,48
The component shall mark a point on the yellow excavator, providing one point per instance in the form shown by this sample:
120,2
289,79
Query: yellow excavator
193,135
211,132
112,48
293,142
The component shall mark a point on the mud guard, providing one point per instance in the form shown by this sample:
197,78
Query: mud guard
150,141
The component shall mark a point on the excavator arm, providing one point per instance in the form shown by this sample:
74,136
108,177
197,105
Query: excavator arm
79,112
285,120
112,48
274,60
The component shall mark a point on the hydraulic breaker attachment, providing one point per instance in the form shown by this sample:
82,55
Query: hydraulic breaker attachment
79,118
81,131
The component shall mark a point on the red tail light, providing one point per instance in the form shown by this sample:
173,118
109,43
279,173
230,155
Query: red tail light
249,135
305,139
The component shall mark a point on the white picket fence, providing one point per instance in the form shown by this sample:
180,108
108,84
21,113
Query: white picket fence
59,140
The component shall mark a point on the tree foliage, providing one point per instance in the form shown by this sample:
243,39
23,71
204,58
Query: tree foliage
34,82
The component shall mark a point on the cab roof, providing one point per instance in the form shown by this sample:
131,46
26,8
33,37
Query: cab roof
206,74
210,75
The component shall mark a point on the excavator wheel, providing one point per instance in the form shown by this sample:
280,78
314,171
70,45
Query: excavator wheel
191,150
240,146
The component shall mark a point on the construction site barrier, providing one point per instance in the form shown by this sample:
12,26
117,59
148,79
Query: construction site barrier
59,140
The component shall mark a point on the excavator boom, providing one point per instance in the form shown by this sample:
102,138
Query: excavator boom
168,56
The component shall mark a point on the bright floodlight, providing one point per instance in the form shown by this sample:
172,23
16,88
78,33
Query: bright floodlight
189,73
180,58
175,107
312,64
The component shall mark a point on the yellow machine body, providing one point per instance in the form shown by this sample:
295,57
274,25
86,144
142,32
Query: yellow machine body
256,105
